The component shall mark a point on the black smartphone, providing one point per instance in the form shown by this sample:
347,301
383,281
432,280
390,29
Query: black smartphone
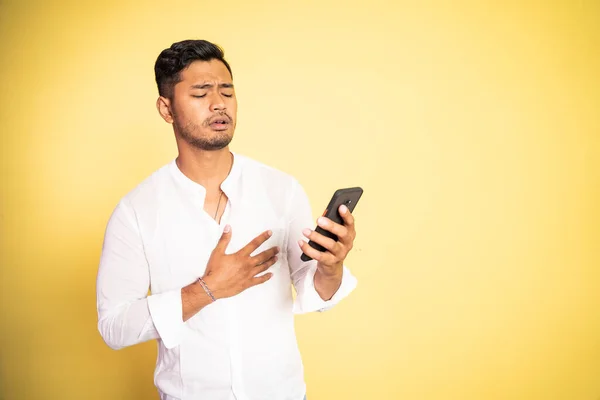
348,197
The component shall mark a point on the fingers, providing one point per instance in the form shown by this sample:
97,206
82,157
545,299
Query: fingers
347,217
324,257
256,242
265,266
336,250
264,256
260,279
224,240
257,280
344,233
323,240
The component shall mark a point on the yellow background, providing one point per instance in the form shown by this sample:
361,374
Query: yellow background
473,127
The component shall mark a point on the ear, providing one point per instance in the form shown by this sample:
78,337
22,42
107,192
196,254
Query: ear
163,105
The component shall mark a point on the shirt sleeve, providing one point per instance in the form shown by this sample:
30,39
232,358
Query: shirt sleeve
303,273
127,315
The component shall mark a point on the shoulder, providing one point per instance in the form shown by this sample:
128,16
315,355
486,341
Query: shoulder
147,193
282,190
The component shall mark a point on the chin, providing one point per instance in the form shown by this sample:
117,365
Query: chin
211,144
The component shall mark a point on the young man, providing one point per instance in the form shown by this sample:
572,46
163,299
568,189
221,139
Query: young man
216,237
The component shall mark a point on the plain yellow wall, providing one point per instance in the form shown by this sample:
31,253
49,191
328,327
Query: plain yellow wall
473,127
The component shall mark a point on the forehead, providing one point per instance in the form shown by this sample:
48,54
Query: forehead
205,71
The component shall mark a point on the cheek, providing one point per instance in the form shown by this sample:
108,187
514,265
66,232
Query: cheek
194,111
232,107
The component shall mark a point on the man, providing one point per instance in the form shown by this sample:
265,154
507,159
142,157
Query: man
217,238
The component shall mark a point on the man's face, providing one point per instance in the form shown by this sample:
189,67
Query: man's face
204,106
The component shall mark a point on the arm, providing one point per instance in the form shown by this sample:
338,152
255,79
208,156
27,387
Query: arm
126,314
317,288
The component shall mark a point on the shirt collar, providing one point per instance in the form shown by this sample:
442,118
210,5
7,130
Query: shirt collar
229,186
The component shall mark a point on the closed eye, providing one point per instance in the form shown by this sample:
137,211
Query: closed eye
199,96
227,95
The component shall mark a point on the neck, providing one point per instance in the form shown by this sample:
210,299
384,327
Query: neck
207,168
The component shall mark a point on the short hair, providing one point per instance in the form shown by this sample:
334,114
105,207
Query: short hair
178,57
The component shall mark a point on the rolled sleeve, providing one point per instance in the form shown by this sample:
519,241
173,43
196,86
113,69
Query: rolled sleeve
309,300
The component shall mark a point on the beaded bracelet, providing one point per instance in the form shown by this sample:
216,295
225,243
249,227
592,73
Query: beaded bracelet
206,289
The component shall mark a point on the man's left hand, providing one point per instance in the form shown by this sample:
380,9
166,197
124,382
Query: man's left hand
330,263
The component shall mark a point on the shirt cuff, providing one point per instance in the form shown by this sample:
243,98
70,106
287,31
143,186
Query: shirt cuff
308,300
167,314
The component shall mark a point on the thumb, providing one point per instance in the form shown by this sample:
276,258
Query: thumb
224,240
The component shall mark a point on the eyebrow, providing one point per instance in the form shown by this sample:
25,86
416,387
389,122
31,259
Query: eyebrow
210,85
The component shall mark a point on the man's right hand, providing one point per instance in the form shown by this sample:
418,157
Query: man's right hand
229,274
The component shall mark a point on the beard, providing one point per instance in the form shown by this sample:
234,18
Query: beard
193,134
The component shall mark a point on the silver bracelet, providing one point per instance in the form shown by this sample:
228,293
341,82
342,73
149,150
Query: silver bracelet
206,289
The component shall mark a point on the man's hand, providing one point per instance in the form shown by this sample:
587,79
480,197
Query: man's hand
229,274
330,263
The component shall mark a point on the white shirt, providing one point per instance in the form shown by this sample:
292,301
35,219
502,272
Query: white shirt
159,238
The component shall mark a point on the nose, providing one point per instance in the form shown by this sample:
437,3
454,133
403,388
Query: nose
217,103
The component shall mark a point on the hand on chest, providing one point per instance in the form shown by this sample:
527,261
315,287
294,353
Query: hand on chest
188,240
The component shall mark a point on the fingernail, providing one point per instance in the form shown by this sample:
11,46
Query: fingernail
300,242
270,232
227,228
343,208
306,232
277,249
322,221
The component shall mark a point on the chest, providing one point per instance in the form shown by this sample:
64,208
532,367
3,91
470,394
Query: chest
182,239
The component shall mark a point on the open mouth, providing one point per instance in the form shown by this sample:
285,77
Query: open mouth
219,124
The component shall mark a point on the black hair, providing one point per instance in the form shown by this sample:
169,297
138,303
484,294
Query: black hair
176,58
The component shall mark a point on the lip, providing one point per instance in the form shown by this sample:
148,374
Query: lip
219,125
220,122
